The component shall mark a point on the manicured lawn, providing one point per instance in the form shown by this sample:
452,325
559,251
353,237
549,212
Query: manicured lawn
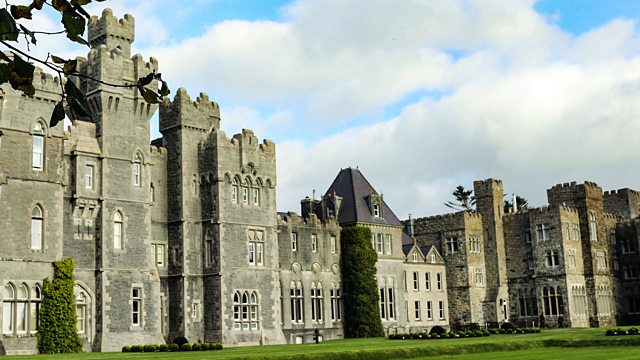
550,344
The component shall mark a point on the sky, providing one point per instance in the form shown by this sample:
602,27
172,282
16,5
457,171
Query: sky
420,95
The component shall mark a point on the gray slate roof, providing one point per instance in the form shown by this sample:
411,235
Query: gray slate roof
354,188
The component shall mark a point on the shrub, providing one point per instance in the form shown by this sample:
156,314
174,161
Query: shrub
633,331
163,348
501,331
479,333
452,335
185,347
622,332
536,330
150,348
507,326
126,349
493,331
437,330
180,340
137,348
205,346
486,333
196,347
610,332
217,346
173,347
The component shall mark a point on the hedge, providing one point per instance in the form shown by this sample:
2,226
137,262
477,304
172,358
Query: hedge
172,347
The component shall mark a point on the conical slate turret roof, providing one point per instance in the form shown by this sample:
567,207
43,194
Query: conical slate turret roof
356,192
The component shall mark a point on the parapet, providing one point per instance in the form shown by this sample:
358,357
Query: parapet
487,187
108,30
46,82
248,138
200,114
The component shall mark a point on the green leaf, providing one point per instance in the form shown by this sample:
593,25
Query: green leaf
73,23
21,12
146,80
57,115
164,90
37,4
21,76
29,33
78,39
76,100
8,29
149,96
4,73
70,67
62,5
58,60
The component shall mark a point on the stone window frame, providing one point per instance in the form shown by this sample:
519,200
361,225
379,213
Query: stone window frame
336,302
543,231
256,196
333,243
38,131
427,281
593,226
317,302
575,230
429,310
388,244
37,238
256,246
452,245
137,163
441,310
417,310
118,230
159,254
601,259
89,176
571,258
387,300
314,243
479,276
209,247
30,301
439,281
294,241
136,301
416,281
246,306
552,259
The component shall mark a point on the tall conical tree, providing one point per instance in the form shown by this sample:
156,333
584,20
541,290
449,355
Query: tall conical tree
361,299
57,333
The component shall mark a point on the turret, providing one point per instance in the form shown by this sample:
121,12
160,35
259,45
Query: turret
108,30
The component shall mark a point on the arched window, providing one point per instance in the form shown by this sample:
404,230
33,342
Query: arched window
81,313
316,302
245,311
37,220
117,230
297,302
37,162
136,170
22,299
209,248
8,309
34,309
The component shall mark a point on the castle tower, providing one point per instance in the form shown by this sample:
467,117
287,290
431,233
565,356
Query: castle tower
125,275
489,203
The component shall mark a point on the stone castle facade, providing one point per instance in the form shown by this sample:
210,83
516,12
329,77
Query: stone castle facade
179,236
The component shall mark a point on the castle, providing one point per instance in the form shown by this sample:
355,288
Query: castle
180,236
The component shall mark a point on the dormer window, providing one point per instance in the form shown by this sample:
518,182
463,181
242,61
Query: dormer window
415,256
376,210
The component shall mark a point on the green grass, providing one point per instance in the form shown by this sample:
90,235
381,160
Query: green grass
558,343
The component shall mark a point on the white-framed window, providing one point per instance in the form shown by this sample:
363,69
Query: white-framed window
603,300
294,241
20,309
441,309
416,307
387,308
601,259
552,258
245,311
576,232
245,195
256,196
333,244
316,302
571,258
136,306
416,281
117,230
479,276
429,310
256,247
37,226
376,210
452,245
379,243
439,281
234,194
81,313
336,304
35,301
474,244
136,171
388,244
88,176
427,281
314,243
415,256
433,258
297,302
543,232
37,162
579,295
157,251
593,226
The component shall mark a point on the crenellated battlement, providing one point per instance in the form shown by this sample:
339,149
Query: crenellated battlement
202,113
158,151
573,186
113,32
45,82
621,193
248,138
439,218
